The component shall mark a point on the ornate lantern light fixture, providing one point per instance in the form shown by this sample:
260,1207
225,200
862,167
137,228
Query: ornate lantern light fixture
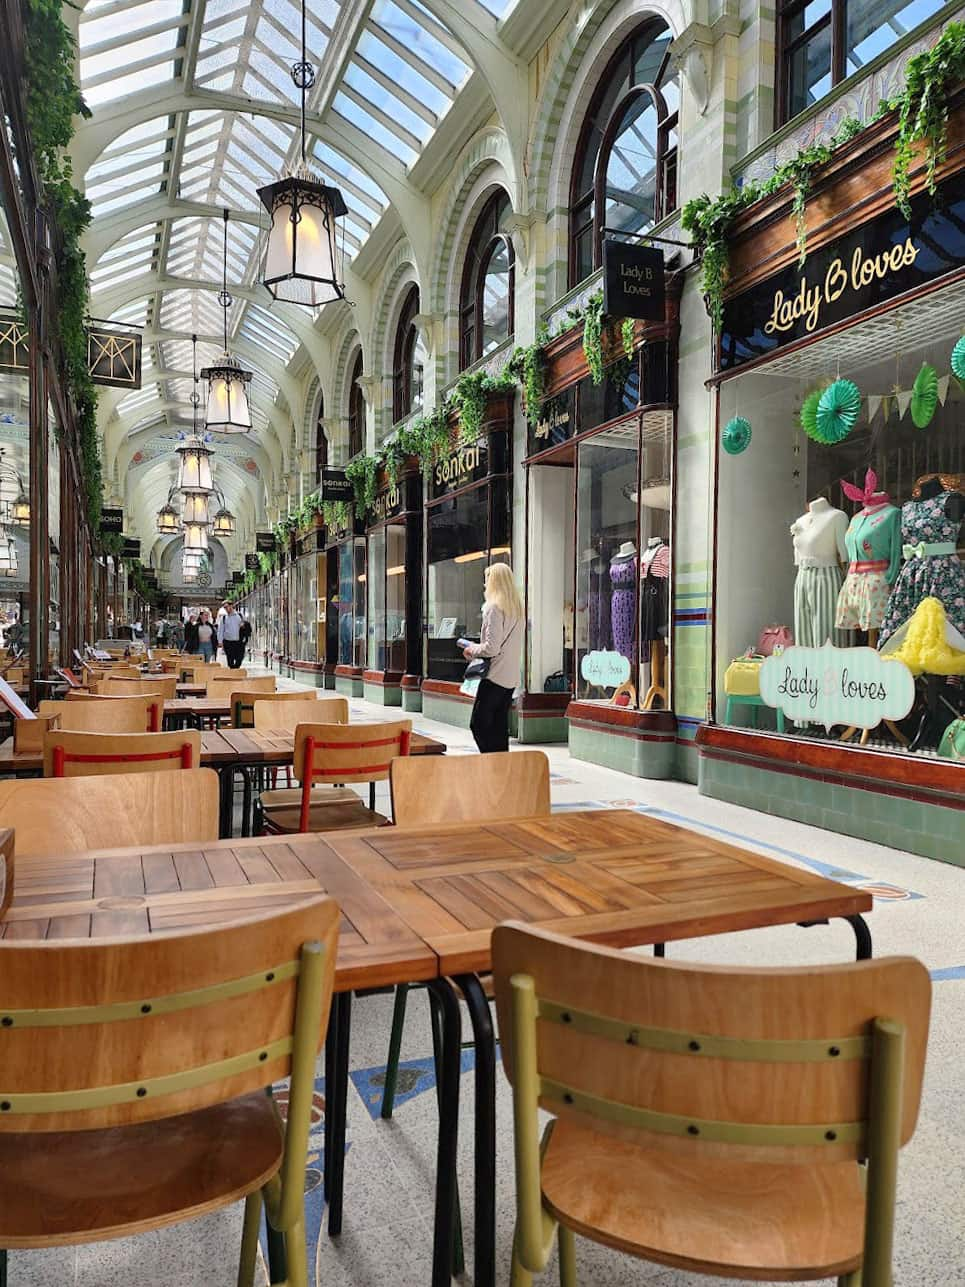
196,538
14,497
228,409
195,509
303,260
168,521
224,523
194,472
8,555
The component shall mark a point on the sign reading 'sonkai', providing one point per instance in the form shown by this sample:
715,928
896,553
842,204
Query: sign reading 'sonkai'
851,686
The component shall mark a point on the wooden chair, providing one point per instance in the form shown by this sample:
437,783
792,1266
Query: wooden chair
153,704
101,715
164,1077
506,784
67,815
203,671
337,753
222,685
284,712
707,1118
72,755
68,676
6,870
123,686
243,701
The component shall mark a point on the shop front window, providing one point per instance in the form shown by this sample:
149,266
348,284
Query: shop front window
387,590
623,565
351,602
304,610
844,542
465,533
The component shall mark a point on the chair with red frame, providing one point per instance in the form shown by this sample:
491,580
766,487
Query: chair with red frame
339,753
153,704
68,676
71,755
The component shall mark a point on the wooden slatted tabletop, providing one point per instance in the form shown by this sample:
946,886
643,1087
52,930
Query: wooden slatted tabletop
128,893
614,877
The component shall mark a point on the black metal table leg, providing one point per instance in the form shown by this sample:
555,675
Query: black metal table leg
484,1259
331,1080
246,801
342,1001
450,1063
226,780
862,937
277,1255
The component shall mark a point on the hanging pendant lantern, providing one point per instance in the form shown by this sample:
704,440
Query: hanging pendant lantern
196,537
228,409
303,263
168,522
194,472
20,510
195,509
224,522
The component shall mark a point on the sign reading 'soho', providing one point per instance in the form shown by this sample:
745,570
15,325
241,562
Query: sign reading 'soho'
829,685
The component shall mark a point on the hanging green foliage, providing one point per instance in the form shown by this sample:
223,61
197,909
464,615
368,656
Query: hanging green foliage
923,109
627,328
593,336
337,515
52,101
528,365
362,473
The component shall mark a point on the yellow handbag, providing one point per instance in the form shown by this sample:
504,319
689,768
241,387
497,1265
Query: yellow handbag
742,678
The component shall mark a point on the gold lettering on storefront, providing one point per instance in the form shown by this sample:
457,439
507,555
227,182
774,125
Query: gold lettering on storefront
841,276
458,466
386,503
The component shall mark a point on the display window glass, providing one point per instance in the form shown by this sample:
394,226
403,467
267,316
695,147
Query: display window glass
387,596
466,532
813,548
304,614
351,563
623,563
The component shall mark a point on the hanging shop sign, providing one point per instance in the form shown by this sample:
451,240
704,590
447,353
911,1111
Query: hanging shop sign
265,542
335,486
14,343
633,281
856,687
112,520
252,563
605,669
388,504
114,357
877,262
131,549
555,422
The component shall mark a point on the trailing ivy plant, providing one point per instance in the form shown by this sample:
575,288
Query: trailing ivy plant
627,328
528,365
923,110
362,473
52,101
336,514
593,336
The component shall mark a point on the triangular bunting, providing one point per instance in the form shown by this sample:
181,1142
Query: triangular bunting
943,384
904,401
885,408
874,406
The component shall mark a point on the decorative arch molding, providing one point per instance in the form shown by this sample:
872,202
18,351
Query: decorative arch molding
314,400
579,63
348,349
490,149
399,277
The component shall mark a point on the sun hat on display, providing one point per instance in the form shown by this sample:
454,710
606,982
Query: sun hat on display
736,436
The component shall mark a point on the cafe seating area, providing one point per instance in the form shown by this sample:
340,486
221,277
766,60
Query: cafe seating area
661,1101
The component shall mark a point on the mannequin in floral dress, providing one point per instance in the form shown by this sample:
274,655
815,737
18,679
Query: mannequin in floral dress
623,602
930,529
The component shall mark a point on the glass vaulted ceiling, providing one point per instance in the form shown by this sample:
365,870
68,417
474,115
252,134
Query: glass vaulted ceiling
226,122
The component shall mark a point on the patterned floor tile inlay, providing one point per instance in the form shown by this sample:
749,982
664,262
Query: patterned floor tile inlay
416,1076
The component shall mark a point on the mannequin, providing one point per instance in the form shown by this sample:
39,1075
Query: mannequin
623,579
873,542
654,584
592,609
930,530
819,550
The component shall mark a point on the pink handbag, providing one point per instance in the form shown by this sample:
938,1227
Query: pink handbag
772,637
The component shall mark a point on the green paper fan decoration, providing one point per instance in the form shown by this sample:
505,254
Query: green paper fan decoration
809,414
924,396
958,359
736,436
838,409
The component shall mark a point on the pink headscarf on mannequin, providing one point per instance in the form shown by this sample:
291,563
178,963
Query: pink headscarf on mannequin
869,496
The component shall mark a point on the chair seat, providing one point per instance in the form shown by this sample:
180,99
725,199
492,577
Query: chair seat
83,1186
324,817
747,1220
289,797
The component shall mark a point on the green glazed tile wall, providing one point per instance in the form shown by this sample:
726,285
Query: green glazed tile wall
412,699
382,694
543,728
932,830
638,756
348,687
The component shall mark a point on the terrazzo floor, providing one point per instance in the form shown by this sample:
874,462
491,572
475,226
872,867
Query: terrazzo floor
389,1169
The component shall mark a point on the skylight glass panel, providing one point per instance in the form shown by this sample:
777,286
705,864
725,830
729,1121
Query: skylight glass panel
119,86
418,41
370,200
388,61
359,80
364,121
134,314
496,7
259,326
134,167
8,287
96,26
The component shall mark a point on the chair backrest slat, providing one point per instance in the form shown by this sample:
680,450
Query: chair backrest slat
429,789
100,715
343,753
762,1064
161,1025
71,815
165,685
223,685
285,711
83,754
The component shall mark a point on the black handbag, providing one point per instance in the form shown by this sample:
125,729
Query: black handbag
478,668
558,682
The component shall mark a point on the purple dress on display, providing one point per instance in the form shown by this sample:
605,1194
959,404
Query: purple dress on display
623,604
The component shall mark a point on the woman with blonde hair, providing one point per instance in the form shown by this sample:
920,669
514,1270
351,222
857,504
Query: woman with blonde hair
501,644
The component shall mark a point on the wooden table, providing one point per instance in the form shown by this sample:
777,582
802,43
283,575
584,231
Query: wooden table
420,905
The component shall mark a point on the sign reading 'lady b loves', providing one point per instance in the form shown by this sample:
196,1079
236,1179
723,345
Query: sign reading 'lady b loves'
850,686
